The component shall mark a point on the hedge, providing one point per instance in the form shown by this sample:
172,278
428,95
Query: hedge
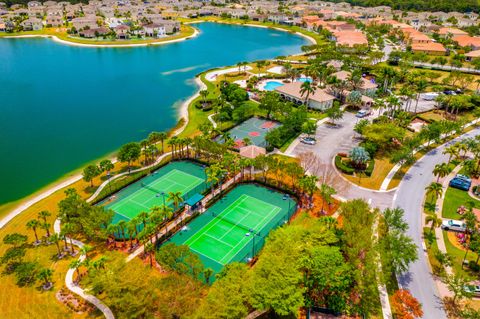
342,167
370,168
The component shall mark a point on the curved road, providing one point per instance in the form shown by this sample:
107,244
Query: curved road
341,138
409,197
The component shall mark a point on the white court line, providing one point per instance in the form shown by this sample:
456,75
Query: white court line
217,220
217,261
219,240
239,250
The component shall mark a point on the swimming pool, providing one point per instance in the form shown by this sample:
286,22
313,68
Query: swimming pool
304,80
271,85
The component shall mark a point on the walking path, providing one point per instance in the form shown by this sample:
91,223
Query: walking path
73,287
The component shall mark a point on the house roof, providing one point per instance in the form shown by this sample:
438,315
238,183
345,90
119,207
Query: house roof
473,54
452,31
350,38
252,151
429,47
293,89
466,40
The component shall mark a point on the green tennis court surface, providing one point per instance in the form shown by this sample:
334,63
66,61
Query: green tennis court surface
185,177
254,128
234,228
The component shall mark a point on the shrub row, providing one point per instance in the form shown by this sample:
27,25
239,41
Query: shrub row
342,167
370,168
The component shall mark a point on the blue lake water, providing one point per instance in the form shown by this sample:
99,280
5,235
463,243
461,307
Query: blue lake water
62,106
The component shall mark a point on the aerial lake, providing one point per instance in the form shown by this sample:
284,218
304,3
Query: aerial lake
62,106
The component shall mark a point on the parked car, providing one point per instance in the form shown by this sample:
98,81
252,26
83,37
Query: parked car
461,182
308,140
363,113
464,178
473,289
449,92
455,225
430,96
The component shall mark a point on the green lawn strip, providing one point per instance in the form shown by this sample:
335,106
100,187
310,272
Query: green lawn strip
457,256
455,198
198,116
186,31
432,250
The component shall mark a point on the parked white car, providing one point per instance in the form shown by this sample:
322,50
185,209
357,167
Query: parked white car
455,225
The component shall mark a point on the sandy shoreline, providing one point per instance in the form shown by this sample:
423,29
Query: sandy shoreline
85,45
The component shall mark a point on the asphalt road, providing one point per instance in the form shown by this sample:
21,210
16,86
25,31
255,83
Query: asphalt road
409,196
341,138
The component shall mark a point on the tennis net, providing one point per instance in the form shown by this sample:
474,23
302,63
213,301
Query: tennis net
150,188
236,223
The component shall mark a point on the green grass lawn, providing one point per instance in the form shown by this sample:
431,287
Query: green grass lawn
455,198
457,256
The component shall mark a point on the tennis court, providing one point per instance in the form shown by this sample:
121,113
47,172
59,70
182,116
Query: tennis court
185,177
254,128
235,227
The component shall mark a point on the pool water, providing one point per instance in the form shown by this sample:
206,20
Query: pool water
304,80
271,85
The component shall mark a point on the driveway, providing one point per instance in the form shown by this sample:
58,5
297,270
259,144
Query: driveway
409,197
341,138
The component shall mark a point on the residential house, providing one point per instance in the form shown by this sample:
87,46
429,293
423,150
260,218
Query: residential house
450,32
367,87
83,22
93,33
54,21
319,100
467,41
472,55
32,24
122,31
349,39
432,48
154,30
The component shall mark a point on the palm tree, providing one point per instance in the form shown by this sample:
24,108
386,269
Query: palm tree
309,185
85,249
43,215
55,238
441,170
452,152
435,190
149,249
307,89
421,85
76,264
46,226
46,275
327,192
212,176
162,136
176,198
143,216
33,225
131,230
207,273
122,225
67,231
433,219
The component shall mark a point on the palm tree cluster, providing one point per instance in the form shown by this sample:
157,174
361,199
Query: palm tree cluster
146,225
149,148
40,222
